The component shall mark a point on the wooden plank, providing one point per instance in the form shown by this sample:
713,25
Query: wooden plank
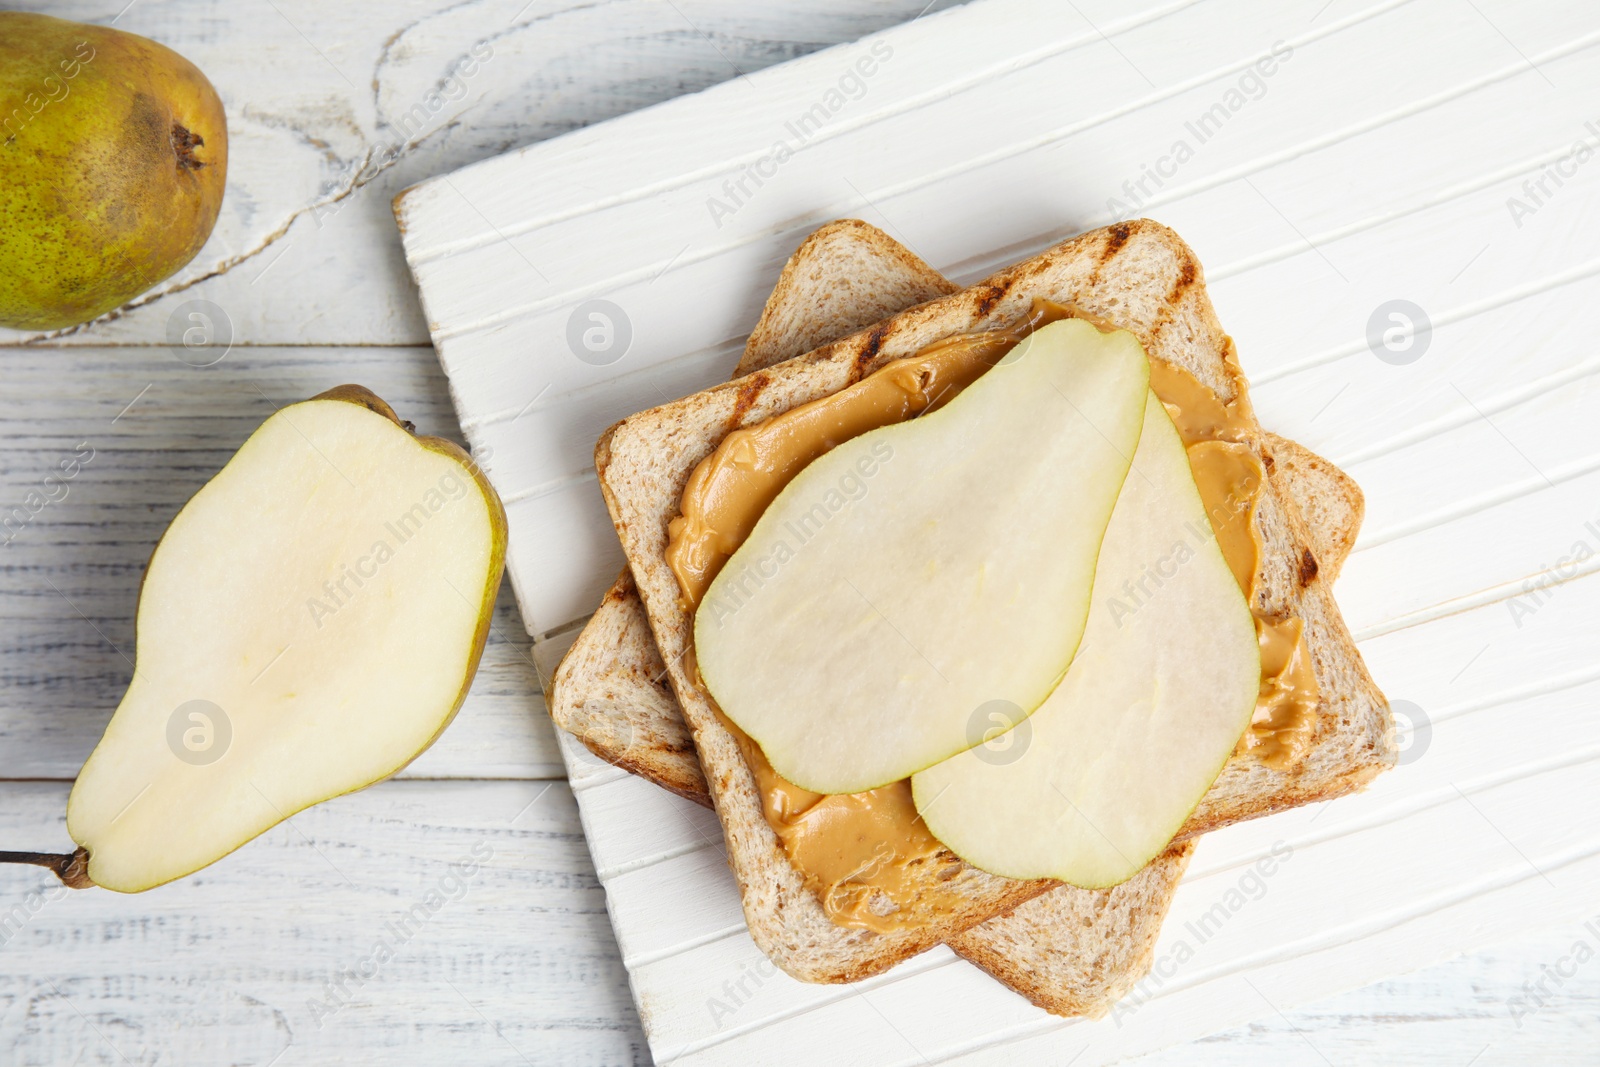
371,928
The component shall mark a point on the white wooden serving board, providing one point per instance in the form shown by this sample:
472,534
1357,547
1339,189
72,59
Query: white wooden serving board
1395,151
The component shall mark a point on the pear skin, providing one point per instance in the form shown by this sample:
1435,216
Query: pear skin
113,159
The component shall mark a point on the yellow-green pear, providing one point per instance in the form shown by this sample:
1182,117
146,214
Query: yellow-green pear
113,157
308,625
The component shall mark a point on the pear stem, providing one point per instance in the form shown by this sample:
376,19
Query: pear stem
71,867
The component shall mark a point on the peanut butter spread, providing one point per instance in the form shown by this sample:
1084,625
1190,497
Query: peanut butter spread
861,853
1229,477
732,487
1286,711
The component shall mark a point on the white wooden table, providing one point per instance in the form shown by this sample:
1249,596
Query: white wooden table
272,954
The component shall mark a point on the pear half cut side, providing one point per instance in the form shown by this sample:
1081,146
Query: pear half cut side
922,571
1097,781
308,625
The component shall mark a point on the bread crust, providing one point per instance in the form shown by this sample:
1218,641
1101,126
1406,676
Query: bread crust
1078,951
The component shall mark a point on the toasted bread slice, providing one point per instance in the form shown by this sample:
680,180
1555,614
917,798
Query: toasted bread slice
843,277
1070,951
1140,276
1326,498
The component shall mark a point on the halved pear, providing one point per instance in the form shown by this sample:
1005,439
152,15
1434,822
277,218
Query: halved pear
308,624
918,573
1098,780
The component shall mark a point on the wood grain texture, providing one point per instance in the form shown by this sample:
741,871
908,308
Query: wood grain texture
220,968
273,954
154,429
334,108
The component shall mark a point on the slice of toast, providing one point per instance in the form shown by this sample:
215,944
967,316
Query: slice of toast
1070,951
1140,276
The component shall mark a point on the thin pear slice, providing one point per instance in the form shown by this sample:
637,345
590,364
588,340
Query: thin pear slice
308,624
1097,781
921,572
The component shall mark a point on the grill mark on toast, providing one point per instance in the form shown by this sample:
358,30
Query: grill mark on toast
1116,237
1186,278
1308,567
1181,285
749,390
869,352
991,295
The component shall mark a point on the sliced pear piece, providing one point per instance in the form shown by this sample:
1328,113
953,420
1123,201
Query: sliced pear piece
308,624
1098,780
923,570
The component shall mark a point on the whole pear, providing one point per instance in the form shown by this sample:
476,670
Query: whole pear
113,157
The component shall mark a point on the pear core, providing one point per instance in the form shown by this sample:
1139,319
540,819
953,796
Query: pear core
308,624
